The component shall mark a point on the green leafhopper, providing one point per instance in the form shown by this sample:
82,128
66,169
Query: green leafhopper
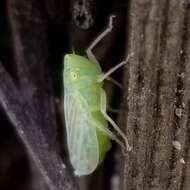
88,135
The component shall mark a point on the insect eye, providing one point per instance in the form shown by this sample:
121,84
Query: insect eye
74,75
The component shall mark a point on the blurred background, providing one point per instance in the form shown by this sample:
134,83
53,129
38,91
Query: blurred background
34,36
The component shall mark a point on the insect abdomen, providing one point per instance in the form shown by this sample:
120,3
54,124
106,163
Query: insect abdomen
103,140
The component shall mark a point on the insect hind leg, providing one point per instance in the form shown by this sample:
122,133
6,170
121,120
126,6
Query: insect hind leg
114,125
111,135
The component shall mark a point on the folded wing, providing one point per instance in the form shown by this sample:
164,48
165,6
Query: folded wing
81,135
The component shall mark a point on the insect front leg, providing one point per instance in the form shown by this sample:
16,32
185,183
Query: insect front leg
114,125
89,52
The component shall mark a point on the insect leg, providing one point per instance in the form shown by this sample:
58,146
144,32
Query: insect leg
98,39
110,135
114,82
106,75
115,126
112,110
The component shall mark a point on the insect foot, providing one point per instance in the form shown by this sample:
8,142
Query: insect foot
111,22
126,150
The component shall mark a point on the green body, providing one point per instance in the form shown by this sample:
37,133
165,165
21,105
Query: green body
81,83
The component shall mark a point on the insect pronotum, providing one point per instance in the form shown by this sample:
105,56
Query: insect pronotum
88,135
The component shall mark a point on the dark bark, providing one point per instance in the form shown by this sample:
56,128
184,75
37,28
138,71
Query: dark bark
157,94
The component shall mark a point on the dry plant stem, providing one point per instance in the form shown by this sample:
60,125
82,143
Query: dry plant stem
22,116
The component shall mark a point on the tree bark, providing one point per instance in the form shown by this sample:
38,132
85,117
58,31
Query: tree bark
157,96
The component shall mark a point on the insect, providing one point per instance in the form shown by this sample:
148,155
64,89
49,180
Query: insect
88,135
